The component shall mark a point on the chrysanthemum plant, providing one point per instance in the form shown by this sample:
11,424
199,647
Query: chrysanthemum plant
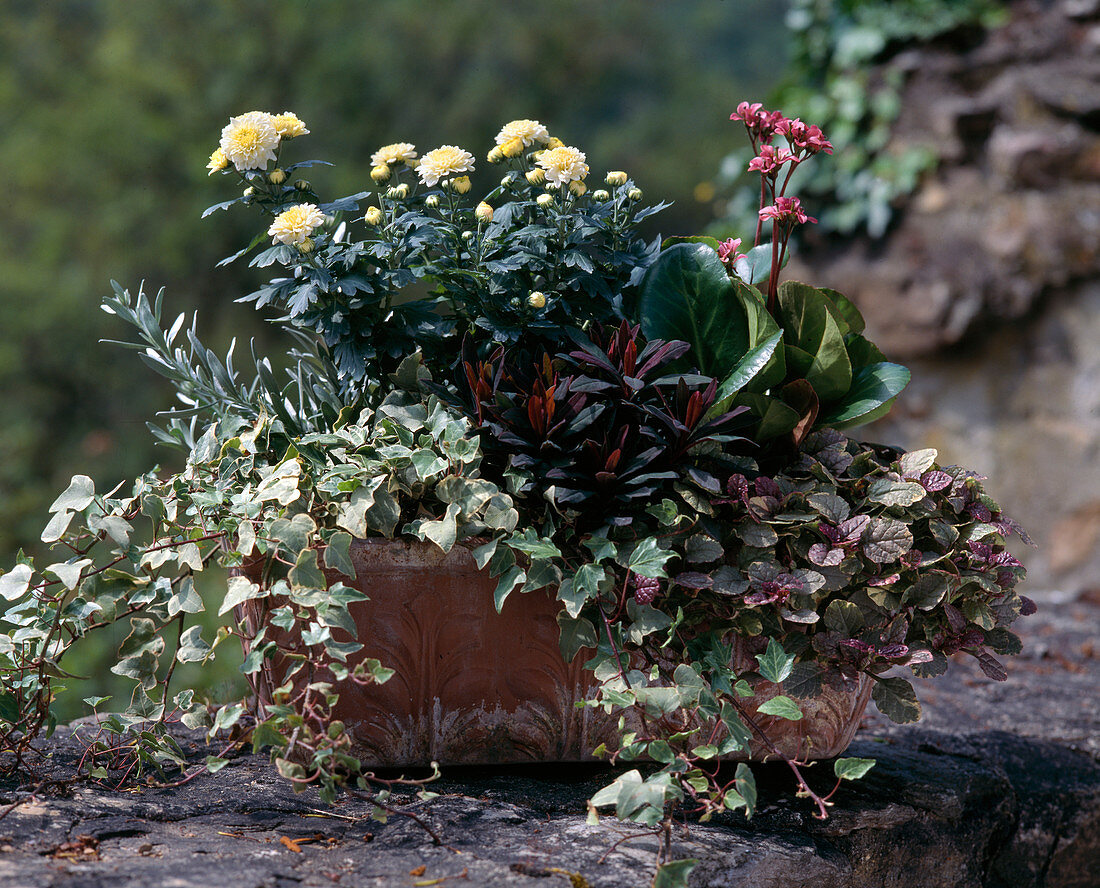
640,431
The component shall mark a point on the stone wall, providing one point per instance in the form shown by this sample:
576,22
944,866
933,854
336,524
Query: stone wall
988,285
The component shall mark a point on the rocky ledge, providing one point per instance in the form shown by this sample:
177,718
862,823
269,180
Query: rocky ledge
999,786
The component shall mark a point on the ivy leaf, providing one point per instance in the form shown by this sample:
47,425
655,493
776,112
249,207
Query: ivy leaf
775,663
15,582
338,554
896,699
576,633
69,573
77,496
674,874
306,574
294,533
507,582
852,768
238,591
648,559
781,706
192,647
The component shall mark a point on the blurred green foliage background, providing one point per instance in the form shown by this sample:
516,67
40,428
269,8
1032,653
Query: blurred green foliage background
111,109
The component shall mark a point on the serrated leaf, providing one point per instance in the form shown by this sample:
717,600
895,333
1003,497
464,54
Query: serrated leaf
885,540
831,507
845,618
895,493
915,463
896,699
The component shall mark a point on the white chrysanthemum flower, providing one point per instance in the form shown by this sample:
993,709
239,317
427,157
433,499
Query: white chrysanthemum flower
294,226
289,126
563,165
527,131
249,141
392,155
442,163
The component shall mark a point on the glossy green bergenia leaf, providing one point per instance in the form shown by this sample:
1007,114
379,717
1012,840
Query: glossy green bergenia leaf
815,347
873,388
747,368
687,295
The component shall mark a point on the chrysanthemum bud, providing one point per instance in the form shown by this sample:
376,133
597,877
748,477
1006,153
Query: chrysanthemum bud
218,161
467,235
373,216
634,194
512,148
578,188
483,213
544,200
496,155
248,192
601,195
536,299
506,182
306,246
381,173
554,142
536,176
276,177
616,178
303,185
398,192
461,185
431,201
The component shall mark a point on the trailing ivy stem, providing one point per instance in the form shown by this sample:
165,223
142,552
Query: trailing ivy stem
822,812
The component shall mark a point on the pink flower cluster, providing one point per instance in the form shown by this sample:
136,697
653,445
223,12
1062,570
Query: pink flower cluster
786,209
727,251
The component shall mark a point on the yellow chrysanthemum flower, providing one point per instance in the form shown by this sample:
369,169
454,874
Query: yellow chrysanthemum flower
289,126
462,185
373,216
527,131
294,226
249,140
535,176
394,155
218,162
442,163
563,165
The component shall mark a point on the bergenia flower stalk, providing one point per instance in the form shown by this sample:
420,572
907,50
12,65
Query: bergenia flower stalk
804,141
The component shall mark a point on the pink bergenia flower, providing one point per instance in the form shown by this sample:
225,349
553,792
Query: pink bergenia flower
787,209
804,137
728,248
770,160
760,122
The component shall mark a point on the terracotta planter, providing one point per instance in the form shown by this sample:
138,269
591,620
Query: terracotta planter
476,687
471,686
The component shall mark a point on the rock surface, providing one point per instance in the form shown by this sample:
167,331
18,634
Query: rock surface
998,787
987,284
